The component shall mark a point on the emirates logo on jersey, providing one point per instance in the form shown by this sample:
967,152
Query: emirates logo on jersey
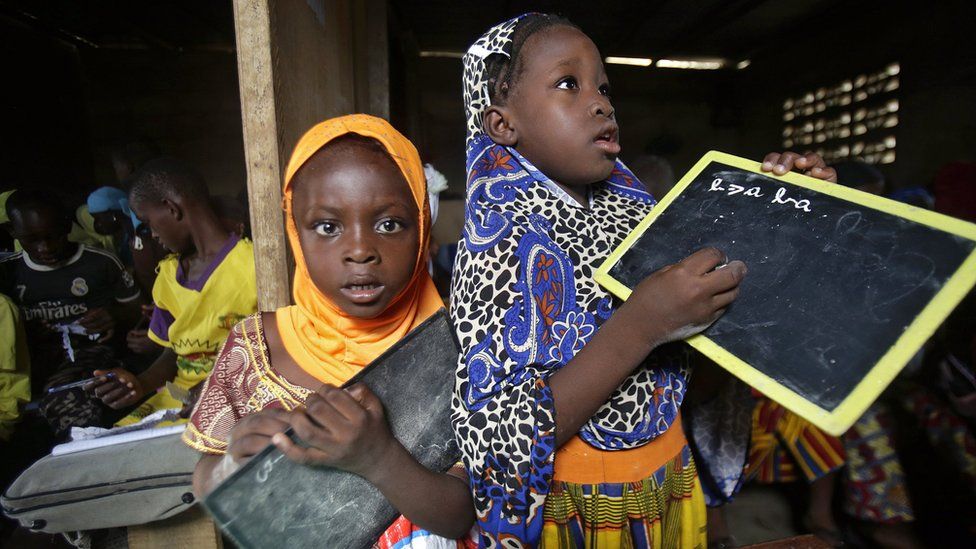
79,287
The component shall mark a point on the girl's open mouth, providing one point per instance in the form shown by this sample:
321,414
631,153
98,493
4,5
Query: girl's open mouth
363,294
607,140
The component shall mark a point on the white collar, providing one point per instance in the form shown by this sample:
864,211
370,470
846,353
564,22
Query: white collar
37,267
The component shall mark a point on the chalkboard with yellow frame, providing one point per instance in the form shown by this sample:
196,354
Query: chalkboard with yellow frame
843,287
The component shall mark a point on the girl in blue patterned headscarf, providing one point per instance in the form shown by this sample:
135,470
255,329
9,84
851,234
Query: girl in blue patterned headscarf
525,303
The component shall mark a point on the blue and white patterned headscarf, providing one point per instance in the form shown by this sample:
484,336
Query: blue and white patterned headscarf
524,302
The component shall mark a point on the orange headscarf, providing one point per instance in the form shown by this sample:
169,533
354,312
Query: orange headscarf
324,340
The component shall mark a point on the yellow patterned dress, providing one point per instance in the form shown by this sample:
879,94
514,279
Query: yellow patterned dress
786,447
193,317
649,496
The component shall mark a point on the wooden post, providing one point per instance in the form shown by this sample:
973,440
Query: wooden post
252,20
297,66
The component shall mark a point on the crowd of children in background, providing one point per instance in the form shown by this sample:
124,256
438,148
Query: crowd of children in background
569,404
134,290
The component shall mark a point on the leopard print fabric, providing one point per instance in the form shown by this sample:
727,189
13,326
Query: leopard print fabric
476,100
524,302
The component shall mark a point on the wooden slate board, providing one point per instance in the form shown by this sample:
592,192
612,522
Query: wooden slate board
843,287
275,502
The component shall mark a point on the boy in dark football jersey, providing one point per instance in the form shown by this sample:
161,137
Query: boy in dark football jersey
73,300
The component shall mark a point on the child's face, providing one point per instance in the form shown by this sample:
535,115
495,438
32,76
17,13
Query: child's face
560,108
43,236
357,226
163,220
106,223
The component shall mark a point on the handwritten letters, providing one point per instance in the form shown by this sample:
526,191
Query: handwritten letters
731,189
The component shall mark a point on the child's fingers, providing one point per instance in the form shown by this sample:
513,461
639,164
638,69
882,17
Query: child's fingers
704,260
366,398
96,320
100,377
827,174
298,454
104,389
810,161
312,434
814,166
322,411
325,388
786,162
113,395
275,415
724,299
267,423
248,445
770,161
728,277
125,398
357,391
347,405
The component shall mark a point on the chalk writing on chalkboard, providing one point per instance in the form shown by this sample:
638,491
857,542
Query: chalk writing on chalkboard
731,189
843,287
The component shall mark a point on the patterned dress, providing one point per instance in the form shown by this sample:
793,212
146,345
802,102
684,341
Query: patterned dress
243,382
876,483
786,447
524,302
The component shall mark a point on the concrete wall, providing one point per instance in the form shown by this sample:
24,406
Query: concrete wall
937,115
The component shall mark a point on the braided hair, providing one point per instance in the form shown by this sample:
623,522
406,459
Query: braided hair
504,71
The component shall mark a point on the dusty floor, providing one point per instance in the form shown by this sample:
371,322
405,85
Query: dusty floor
759,513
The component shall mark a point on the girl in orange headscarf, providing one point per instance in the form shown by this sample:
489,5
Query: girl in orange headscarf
358,223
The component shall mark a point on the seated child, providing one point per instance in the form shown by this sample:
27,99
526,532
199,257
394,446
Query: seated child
6,239
16,451
82,227
201,291
358,225
569,426
139,252
14,367
72,298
